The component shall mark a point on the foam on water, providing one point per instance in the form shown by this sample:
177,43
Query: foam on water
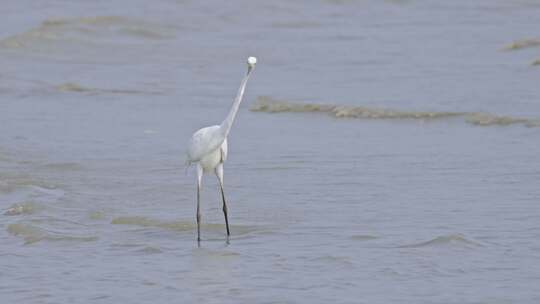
23,208
97,215
522,44
270,105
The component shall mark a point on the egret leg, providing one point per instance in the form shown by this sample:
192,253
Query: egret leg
225,210
219,173
199,184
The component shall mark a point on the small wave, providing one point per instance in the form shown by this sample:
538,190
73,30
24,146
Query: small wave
77,30
332,259
51,192
149,250
73,87
270,105
148,222
32,234
179,225
296,25
63,166
363,237
3,156
215,254
445,240
96,215
486,119
23,208
338,2
7,187
522,44
27,186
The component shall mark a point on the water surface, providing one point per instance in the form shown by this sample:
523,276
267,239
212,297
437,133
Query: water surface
386,151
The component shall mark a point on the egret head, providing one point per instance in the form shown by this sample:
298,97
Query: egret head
251,61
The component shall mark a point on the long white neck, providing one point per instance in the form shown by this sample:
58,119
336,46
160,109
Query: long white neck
227,123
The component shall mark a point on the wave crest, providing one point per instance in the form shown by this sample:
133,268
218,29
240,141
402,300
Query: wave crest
270,105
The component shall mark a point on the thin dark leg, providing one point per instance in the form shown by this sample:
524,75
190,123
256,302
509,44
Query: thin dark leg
225,210
198,214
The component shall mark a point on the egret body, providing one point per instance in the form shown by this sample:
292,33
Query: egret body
208,149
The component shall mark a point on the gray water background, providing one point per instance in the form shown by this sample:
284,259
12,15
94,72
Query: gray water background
98,100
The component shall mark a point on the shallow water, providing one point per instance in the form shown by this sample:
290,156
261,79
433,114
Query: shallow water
419,182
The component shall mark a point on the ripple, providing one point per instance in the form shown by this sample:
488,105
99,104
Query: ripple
147,250
143,221
77,88
11,184
86,29
332,259
363,237
456,240
296,24
63,166
32,234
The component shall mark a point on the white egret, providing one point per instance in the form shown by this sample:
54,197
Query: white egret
208,148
